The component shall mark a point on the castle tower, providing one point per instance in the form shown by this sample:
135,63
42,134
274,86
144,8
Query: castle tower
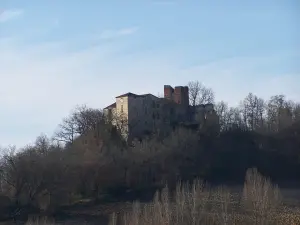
186,95
181,95
168,92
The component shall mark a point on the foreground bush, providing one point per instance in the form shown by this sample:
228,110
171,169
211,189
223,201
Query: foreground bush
196,204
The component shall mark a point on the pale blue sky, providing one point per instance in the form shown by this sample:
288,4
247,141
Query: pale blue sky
55,54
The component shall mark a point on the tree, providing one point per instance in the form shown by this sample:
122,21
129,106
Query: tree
79,121
260,114
296,112
222,111
235,119
279,113
199,94
229,117
35,169
42,143
253,110
87,118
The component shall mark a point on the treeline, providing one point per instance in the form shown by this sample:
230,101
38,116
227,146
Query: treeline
87,158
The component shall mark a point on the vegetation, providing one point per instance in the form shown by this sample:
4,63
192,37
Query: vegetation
260,204
87,159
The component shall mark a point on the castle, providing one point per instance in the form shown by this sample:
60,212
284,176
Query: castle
137,115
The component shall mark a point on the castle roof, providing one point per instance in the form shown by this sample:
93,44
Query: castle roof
129,94
111,106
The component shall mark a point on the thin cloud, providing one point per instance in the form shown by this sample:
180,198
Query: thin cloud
6,15
110,34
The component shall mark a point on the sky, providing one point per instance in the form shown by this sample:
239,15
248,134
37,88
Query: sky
57,54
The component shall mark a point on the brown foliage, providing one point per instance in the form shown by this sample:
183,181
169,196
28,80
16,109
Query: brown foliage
197,204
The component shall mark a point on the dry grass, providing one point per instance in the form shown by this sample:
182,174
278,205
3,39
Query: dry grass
197,204
40,221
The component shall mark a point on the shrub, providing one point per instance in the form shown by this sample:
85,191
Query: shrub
197,204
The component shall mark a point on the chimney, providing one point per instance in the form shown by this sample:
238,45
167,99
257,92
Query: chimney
168,92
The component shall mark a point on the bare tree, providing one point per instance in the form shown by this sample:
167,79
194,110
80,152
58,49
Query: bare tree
199,94
87,118
42,143
279,113
5,155
260,115
66,132
81,120
16,173
253,110
248,108
222,111
35,169
235,119
296,112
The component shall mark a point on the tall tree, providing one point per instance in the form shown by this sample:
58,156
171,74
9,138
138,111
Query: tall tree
199,94
222,111
253,109
235,118
77,123
296,112
279,113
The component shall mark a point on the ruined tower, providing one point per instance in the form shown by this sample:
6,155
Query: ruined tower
181,95
168,92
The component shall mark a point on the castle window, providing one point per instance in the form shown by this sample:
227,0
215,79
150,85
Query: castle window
153,116
121,108
157,105
157,116
153,104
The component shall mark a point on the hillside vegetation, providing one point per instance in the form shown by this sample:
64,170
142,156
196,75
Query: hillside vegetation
60,171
